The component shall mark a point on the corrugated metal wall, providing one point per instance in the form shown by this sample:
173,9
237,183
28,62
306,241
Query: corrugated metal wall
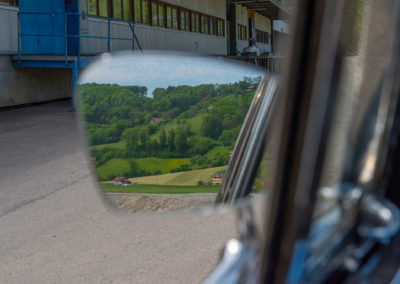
157,38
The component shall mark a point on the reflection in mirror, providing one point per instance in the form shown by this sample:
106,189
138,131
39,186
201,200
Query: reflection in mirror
161,128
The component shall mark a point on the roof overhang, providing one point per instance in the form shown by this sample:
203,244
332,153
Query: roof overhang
273,9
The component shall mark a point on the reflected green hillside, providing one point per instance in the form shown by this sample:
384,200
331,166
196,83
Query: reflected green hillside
177,129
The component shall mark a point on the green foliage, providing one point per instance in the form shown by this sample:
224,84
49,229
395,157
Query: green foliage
228,136
103,155
180,178
138,167
222,150
200,145
160,189
119,145
190,122
113,168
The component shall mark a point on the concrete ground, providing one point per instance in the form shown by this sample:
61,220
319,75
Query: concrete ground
55,228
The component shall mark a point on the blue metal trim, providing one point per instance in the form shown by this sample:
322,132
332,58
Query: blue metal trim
48,64
75,71
76,36
299,257
75,14
368,267
396,279
108,35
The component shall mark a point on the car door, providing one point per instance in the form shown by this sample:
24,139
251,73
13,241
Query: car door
324,212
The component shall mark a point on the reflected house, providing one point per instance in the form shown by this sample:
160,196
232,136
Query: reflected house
122,181
217,178
155,120
250,88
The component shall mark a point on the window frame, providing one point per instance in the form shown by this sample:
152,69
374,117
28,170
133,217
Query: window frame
97,8
242,32
261,36
131,10
113,10
164,19
192,21
134,11
157,13
148,12
175,25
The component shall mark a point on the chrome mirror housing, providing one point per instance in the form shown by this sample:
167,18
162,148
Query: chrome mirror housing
161,128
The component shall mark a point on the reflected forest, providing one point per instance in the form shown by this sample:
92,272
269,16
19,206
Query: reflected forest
180,138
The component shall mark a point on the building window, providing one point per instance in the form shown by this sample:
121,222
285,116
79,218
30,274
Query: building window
242,32
161,18
182,20
185,20
127,11
262,37
174,18
205,24
145,11
137,11
154,14
92,7
197,23
213,26
117,9
193,22
169,17
103,8
221,28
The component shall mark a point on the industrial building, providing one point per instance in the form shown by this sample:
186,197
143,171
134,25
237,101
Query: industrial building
45,43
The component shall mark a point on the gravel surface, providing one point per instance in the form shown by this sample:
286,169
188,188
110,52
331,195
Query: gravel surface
135,202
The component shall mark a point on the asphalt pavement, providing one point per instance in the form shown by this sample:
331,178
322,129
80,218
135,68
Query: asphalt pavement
55,227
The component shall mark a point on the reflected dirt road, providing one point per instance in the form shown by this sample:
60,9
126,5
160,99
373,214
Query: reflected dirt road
136,202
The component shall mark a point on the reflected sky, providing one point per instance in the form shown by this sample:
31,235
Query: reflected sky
156,70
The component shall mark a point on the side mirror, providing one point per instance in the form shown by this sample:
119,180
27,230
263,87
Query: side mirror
161,128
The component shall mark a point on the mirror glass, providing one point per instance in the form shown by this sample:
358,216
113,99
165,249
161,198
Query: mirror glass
161,128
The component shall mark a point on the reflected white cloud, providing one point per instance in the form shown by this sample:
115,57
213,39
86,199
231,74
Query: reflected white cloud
155,70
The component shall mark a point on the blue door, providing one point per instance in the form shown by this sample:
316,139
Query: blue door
44,29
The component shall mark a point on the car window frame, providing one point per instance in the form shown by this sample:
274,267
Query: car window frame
249,147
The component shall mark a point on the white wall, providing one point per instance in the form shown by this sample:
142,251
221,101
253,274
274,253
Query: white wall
281,26
8,29
30,85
